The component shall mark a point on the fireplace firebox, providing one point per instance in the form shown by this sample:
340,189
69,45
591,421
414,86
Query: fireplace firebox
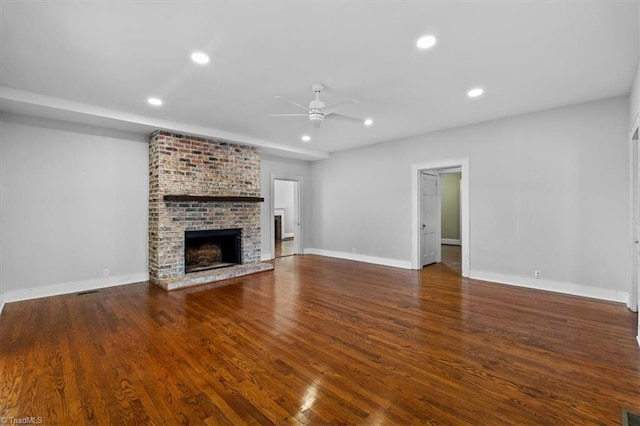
212,249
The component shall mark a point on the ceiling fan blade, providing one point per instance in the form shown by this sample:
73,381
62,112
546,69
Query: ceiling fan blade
287,115
292,102
345,117
332,108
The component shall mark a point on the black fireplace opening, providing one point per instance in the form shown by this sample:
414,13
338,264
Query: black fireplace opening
212,249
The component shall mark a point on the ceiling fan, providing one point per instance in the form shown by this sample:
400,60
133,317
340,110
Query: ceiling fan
318,111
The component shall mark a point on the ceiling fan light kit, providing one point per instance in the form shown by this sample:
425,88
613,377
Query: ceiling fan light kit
316,118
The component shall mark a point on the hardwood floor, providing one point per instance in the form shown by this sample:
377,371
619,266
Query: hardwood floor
284,248
320,341
452,258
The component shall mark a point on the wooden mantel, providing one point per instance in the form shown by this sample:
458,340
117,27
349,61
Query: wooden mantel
212,198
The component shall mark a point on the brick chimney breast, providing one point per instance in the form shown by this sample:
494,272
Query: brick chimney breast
193,167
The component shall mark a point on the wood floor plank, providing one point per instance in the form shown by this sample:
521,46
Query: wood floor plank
321,341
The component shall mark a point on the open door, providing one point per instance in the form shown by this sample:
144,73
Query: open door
632,304
430,227
634,285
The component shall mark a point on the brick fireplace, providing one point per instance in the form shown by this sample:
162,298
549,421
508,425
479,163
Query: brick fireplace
198,184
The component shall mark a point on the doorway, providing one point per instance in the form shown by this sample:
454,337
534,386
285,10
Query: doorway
285,216
440,218
450,219
419,247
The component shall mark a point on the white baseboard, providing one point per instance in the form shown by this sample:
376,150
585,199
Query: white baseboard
265,256
1,302
555,286
638,339
450,242
72,287
288,235
360,258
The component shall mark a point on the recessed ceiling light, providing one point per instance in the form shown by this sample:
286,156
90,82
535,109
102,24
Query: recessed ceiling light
154,101
200,58
475,92
425,42
306,138
368,122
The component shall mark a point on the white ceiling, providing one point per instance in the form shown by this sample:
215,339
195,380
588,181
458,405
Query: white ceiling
97,62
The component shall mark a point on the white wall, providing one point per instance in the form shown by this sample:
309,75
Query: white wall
284,200
548,191
74,202
282,167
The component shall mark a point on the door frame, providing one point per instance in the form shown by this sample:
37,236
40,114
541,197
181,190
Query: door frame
437,166
297,201
634,208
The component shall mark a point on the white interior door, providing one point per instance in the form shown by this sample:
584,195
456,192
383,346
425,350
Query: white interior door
634,151
429,235
635,260
634,289
634,297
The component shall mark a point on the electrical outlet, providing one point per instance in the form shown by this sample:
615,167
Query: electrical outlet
536,273
105,273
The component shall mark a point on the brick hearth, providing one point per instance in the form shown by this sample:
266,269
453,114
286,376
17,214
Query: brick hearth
197,167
